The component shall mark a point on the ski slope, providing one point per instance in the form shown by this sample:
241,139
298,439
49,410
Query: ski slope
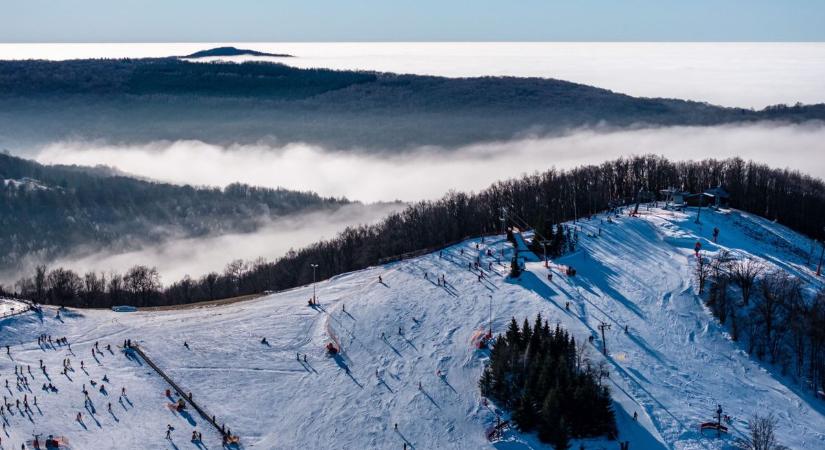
672,366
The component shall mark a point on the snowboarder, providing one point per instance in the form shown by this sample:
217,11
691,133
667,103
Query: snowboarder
186,344
263,341
169,429
380,280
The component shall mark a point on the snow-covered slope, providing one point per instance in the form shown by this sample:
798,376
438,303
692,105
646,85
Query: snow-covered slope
672,366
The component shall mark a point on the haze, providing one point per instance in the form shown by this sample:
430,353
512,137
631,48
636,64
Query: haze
428,173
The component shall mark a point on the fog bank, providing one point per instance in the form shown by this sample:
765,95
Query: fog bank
428,173
197,256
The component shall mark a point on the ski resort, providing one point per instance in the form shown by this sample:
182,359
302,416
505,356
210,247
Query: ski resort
391,356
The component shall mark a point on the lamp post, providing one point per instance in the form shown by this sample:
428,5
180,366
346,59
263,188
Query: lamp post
821,255
314,266
490,333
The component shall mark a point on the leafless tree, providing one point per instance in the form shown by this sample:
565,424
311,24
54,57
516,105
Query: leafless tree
702,271
762,434
778,290
744,273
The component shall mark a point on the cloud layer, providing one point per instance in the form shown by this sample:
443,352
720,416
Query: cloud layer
197,256
430,172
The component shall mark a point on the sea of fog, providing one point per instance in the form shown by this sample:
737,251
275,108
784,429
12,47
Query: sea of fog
740,74
429,172
177,257
730,74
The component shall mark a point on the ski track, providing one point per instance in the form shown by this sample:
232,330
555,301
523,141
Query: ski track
674,364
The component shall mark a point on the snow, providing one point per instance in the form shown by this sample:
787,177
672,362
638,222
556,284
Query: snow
10,306
672,367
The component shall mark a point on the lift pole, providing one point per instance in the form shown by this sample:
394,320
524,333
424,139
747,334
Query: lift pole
604,326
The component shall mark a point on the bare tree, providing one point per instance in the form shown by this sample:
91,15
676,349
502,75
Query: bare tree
778,290
702,272
234,271
762,434
744,273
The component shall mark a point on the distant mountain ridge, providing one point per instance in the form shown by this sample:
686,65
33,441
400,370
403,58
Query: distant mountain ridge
138,100
232,51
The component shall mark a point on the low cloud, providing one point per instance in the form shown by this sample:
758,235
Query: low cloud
197,256
430,172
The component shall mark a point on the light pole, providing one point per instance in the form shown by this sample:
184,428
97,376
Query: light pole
544,247
314,266
821,255
490,333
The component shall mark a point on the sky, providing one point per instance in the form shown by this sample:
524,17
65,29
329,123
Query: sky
420,20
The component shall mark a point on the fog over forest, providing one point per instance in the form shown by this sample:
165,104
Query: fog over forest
429,172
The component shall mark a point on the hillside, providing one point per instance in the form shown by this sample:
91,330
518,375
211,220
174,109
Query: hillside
46,211
231,51
672,366
139,100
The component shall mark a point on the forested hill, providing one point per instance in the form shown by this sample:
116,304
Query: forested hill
168,98
47,210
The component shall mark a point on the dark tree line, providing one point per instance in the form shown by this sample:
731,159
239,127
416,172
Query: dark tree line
767,311
539,374
48,210
553,196
139,100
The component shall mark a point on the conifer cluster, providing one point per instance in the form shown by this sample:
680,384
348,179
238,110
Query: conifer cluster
540,376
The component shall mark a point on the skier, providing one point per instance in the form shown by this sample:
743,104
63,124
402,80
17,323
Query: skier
715,233
550,276
186,344
635,415
697,247
380,280
263,341
169,429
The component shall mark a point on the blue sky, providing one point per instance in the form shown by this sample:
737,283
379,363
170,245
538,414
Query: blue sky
402,20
